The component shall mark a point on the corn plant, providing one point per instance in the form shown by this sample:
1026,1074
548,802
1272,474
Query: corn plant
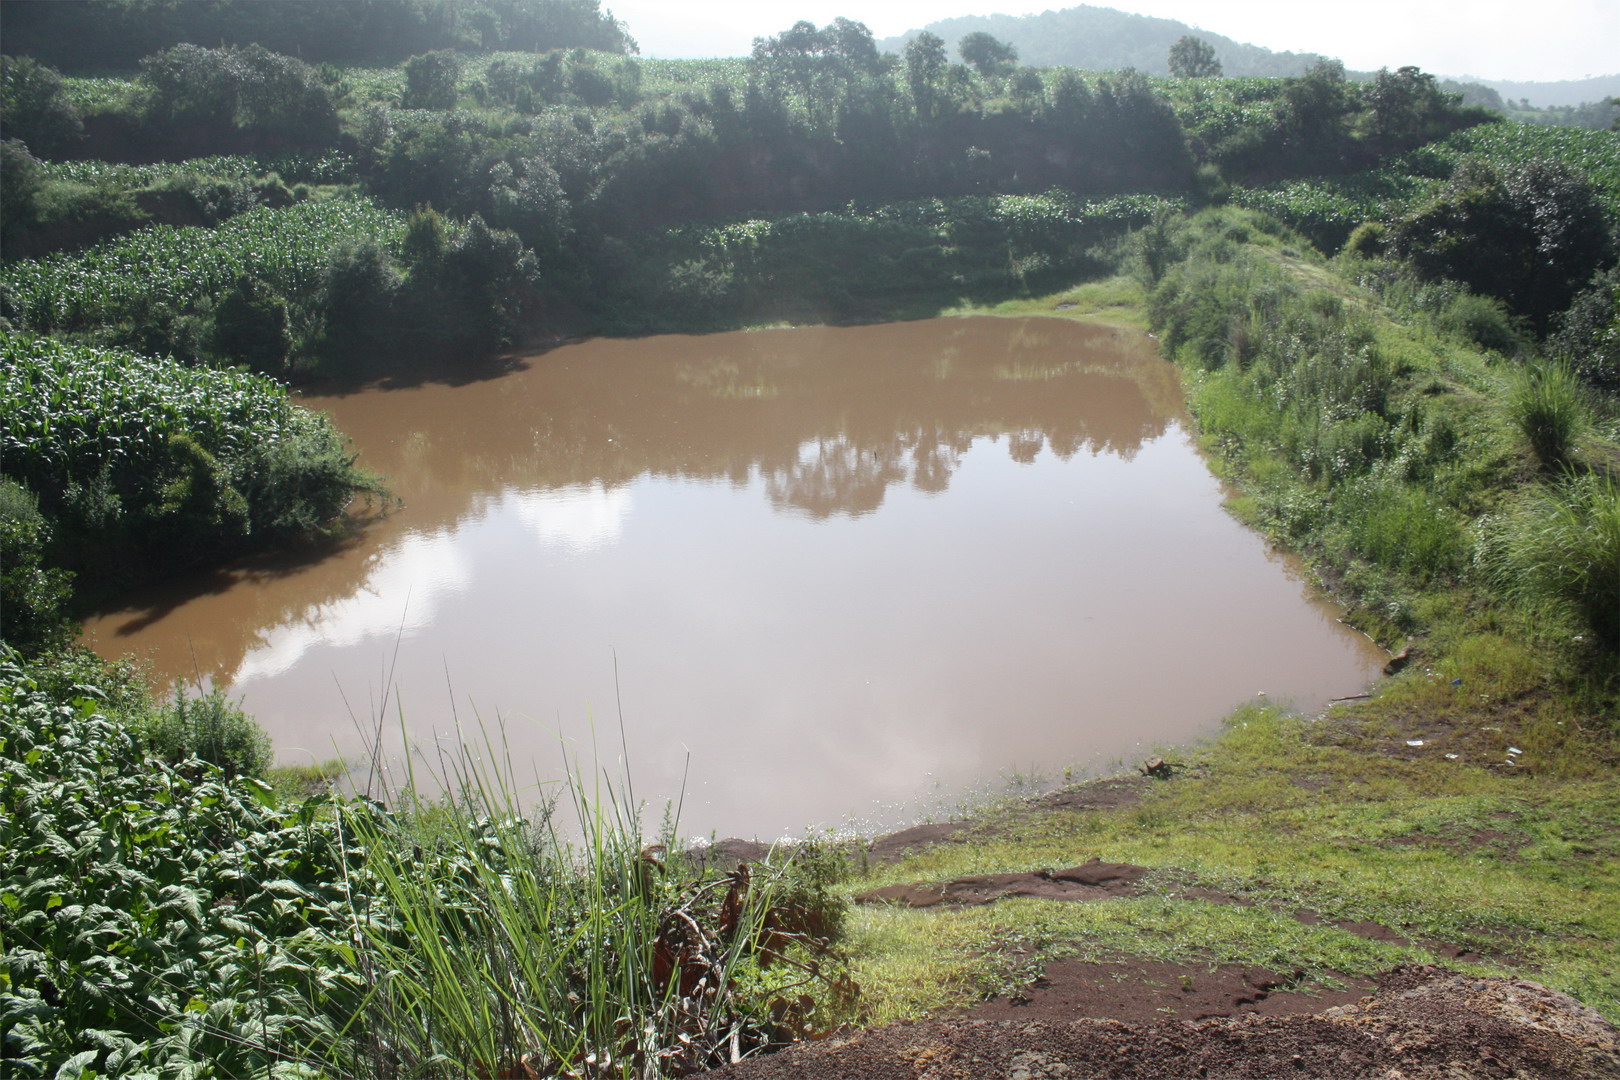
327,168
137,458
125,279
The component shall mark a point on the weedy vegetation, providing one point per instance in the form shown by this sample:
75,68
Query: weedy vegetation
163,914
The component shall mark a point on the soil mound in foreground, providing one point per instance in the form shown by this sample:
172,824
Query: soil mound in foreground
1422,1023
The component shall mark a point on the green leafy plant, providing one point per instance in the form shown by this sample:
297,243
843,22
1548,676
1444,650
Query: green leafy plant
33,595
209,728
158,921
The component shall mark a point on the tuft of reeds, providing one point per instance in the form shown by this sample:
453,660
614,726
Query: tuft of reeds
1547,403
1562,546
499,943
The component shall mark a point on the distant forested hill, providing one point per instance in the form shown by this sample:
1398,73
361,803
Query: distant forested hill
1545,95
87,35
1102,39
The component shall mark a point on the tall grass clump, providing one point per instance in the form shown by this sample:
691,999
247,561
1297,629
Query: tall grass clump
500,945
1561,546
1400,527
1547,404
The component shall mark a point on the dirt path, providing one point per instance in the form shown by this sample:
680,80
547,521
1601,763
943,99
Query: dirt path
1422,1023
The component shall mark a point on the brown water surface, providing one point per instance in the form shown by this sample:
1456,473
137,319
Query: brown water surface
839,572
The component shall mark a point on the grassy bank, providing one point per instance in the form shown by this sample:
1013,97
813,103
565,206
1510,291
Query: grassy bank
1468,807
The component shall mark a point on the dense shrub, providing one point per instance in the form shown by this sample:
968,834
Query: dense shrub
249,88
33,596
430,80
1368,240
1481,320
1587,335
35,109
251,326
145,465
1530,234
208,728
20,192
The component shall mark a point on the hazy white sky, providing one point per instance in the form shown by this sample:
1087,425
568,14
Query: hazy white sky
1548,40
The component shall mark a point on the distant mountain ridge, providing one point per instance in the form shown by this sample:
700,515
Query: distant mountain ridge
1103,39
1553,94
1106,39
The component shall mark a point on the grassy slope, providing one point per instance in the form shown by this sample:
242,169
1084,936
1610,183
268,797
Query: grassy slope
1339,815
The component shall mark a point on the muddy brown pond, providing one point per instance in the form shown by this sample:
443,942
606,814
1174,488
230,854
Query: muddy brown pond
829,577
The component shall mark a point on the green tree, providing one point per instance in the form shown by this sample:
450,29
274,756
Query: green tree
988,56
1314,110
1193,58
34,107
792,58
822,66
926,63
1028,89
430,80
1406,107
1071,99
251,326
851,42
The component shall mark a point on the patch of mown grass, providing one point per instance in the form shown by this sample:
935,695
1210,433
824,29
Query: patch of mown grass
1284,814
1116,300
910,963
